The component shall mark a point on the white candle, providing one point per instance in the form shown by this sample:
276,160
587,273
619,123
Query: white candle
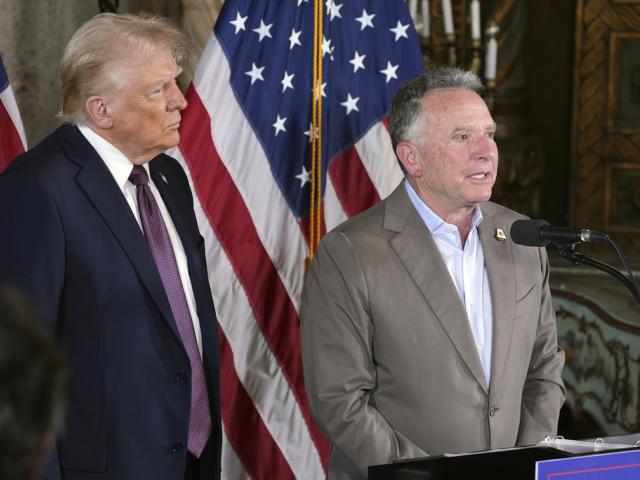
426,30
475,19
413,9
491,59
447,15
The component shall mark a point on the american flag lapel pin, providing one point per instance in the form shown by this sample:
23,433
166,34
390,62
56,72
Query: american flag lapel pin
500,236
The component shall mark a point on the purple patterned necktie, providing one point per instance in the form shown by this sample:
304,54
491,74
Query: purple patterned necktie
158,239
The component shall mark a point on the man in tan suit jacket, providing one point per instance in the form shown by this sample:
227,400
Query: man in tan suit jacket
412,347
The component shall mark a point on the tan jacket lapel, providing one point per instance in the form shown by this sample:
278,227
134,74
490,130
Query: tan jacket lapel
421,257
498,259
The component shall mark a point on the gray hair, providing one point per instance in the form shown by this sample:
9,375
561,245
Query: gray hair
99,51
406,106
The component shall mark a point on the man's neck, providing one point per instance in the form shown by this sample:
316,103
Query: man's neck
461,217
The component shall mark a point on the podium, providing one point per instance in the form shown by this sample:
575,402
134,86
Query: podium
520,463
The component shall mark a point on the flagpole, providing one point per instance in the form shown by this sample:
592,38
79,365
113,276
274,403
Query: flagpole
315,212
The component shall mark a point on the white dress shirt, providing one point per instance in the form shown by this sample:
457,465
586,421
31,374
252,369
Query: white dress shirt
468,272
120,167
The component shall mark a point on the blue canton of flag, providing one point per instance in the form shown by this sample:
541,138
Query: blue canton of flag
369,49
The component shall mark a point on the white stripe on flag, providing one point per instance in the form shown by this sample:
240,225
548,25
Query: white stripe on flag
376,153
334,214
232,468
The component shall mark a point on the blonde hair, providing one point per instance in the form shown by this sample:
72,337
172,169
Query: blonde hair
97,57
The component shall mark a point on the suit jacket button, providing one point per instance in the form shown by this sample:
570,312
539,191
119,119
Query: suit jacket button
492,410
182,377
176,448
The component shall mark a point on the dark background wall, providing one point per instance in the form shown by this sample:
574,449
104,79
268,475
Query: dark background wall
548,54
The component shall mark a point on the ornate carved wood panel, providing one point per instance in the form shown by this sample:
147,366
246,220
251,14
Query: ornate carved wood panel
605,185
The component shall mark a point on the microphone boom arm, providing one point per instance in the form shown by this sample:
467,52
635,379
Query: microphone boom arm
576,257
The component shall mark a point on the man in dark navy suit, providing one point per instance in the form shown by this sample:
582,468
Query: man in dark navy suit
97,225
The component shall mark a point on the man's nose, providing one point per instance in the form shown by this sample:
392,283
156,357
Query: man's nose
177,100
486,148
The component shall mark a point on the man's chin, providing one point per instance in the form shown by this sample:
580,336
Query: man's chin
479,197
172,141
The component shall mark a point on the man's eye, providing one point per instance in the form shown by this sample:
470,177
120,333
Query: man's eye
157,91
491,134
462,137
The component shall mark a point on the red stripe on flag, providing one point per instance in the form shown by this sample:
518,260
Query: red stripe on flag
231,221
245,429
352,183
10,143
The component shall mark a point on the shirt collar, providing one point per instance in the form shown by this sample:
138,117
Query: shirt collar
117,162
429,217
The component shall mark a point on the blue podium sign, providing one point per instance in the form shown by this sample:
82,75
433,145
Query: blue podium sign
601,466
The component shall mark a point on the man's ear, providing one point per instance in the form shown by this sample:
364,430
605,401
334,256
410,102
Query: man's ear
99,111
408,155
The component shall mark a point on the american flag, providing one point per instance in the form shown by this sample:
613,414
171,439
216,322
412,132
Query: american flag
12,138
246,146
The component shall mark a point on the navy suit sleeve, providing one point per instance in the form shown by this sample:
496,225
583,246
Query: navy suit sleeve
32,247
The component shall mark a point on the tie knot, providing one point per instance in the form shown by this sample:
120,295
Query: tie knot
138,176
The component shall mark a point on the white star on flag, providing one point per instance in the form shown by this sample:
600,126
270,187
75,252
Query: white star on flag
303,176
334,9
279,125
255,73
239,22
294,38
400,30
301,1
263,30
308,132
351,104
326,47
322,87
366,20
390,71
286,81
357,61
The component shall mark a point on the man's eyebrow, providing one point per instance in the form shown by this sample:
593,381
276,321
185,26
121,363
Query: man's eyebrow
167,78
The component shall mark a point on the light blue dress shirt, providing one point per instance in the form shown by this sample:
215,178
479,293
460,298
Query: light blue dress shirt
468,272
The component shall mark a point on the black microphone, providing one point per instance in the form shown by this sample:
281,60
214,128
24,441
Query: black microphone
538,233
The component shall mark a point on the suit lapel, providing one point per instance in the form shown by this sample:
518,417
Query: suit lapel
498,259
101,189
422,259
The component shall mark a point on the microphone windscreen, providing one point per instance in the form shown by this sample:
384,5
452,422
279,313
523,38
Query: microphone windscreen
527,232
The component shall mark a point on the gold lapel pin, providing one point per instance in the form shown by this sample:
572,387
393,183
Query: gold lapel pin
164,179
500,236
